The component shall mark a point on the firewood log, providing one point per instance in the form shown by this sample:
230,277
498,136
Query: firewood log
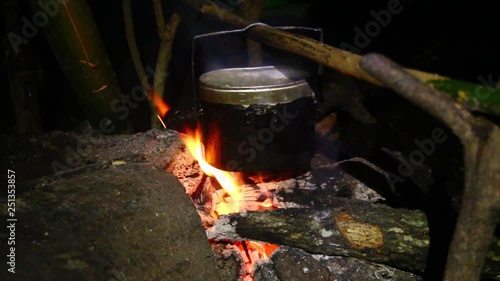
374,232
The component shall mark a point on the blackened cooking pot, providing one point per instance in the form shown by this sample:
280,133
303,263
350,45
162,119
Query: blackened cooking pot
257,119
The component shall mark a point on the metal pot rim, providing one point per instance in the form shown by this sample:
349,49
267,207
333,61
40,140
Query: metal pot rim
262,77
239,86
248,97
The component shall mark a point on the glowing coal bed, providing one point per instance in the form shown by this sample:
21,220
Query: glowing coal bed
216,193
309,214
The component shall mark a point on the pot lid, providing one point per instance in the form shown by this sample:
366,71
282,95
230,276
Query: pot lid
254,85
253,77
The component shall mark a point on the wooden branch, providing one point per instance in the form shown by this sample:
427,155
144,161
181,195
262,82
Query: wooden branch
439,105
474,97
76,42
134,51
480,206
167,35
374,232
252,10
479,210
160,20
351,228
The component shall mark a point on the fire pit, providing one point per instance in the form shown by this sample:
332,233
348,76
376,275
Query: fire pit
120,209
227,171
319,224
230,193
262,196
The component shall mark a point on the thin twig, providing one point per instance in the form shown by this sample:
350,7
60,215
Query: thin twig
166,33
134,51
165,52
374,167
160,20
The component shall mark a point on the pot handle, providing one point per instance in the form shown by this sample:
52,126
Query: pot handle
194,69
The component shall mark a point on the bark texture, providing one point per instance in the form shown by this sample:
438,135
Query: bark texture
374,232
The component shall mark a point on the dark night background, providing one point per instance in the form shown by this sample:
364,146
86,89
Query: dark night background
458,39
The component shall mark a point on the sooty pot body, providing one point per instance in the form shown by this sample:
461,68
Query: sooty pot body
258,119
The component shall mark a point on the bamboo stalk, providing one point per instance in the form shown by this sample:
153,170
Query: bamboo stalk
76,42
23,73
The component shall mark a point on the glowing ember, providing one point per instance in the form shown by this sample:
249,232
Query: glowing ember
267,204
161,121
252,252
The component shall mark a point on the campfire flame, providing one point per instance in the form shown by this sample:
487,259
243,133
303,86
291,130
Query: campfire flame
228,181
231,183
161,106
250,251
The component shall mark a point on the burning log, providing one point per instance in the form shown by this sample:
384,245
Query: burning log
374,232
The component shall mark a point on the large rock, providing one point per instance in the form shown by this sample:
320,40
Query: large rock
117,217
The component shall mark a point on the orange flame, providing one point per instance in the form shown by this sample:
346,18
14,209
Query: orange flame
228,181
161,106
251,251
